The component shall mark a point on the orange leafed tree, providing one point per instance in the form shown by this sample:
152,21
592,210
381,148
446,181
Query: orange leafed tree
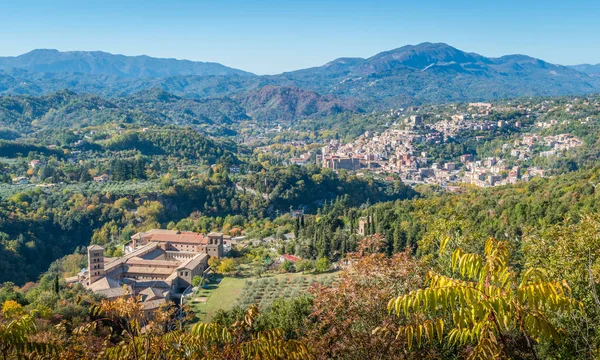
346,313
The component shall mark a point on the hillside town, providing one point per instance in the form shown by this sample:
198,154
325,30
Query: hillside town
395,149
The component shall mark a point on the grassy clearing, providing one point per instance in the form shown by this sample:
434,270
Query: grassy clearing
226,292
220,293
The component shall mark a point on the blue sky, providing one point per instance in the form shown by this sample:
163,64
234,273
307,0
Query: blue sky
268,37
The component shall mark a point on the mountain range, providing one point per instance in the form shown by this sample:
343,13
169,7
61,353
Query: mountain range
413,74
103,63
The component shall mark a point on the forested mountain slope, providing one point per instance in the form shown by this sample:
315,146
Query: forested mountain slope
423,73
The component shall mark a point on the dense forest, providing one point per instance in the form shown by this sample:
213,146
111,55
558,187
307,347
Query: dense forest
40,225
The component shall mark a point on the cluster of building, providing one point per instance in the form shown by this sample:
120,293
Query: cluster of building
463,122
494,172
158,265
393,151
545,146
302,159
390,151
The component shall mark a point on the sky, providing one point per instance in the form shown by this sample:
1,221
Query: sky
269,37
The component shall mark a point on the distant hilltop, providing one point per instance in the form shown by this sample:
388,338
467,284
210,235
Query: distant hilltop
103,63
412,74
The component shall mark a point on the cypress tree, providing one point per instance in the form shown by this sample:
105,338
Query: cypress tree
326,244
314,240
56,285
399,238
389,243
297,228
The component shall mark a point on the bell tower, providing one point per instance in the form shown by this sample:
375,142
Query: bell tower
215,245
95,263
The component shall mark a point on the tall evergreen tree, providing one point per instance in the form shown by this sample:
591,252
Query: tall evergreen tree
399,238
297,228
389,243
56,286
325,243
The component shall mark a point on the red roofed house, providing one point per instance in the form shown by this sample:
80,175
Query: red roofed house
286,257
187,241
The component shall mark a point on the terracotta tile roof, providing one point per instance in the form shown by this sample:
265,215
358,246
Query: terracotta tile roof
105,283
153,255
153,304
194,262
291,258
143,262
163,284
151,293
135,253
143,270
112,293
172,236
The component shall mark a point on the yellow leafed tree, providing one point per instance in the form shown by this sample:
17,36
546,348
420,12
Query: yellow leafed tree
482,303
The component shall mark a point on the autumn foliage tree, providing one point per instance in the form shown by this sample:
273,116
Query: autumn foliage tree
346,313
239,341
123,329
483,305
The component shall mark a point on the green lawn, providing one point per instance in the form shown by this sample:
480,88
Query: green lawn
221,293
224,292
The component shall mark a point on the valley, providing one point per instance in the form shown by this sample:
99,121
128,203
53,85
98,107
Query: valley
424,202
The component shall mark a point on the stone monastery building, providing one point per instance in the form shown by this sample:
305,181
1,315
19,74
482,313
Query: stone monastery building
159,265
